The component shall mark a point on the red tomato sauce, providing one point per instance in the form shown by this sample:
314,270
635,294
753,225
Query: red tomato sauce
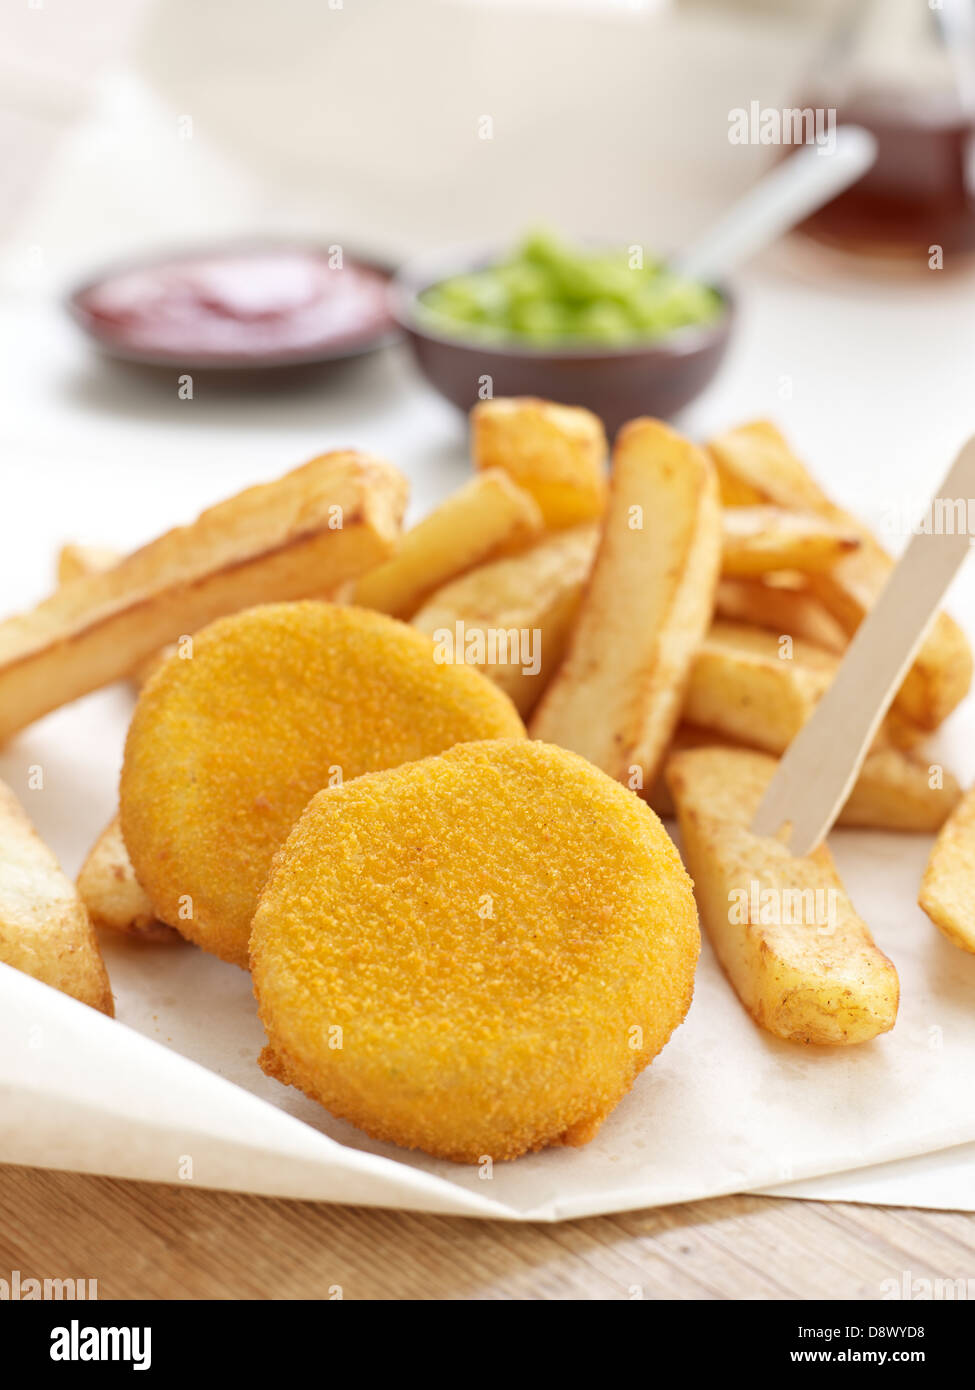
238,306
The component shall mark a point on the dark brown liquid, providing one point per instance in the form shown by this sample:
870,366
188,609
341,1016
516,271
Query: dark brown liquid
920,192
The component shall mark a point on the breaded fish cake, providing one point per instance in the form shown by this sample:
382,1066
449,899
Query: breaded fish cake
226,748
475,954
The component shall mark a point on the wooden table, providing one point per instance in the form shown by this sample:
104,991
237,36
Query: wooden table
142,1240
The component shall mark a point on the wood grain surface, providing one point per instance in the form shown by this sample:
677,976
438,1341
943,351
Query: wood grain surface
142,1240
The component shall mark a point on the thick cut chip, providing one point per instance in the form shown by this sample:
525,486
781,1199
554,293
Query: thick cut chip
226,748
755,688
114,897
755,464
475,954
895,790
802,962
758,540
942,672
617,696
900,790
556,452
315,527
75,561
758,689
948,887
784,608
44,928
513,617
486,515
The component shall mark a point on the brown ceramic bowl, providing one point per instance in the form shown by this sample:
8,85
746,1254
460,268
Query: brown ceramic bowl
618,383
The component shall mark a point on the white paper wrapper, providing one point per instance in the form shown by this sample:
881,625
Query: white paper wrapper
171,1091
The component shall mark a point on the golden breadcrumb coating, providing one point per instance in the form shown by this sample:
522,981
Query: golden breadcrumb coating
475,954
225,748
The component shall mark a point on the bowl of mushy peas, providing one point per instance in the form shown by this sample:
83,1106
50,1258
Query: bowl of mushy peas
607,328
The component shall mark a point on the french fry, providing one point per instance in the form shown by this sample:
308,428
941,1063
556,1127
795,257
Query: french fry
556,452
44,928
617,697
800,959
658,796
488,513
114,897
744,686
948,887
754,465
484,517
898,790
758,689
897,731
941,675
532,597
758,539
75,560
322,523
895,790
783,609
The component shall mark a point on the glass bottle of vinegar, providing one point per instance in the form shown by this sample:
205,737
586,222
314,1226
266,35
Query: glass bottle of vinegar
905,70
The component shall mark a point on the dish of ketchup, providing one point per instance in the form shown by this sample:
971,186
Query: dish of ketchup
240,306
